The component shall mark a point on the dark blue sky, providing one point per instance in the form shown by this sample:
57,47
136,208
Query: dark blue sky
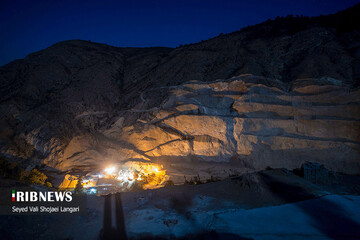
27,25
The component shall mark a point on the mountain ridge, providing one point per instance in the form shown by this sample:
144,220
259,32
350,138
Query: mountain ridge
76,88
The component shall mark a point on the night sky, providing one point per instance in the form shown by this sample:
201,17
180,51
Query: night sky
27,26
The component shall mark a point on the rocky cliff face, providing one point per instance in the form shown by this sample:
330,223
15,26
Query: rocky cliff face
84,104
245,122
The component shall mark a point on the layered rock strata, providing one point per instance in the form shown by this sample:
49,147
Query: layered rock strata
245,122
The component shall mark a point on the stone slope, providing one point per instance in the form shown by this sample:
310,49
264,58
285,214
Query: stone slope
240,124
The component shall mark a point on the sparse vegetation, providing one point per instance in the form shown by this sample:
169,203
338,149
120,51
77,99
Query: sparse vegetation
79,186
11,170
193,181
36,177
189,182
169,183
14,171
197,179
212,179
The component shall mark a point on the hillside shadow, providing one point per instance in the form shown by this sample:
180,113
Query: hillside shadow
108,232
329,218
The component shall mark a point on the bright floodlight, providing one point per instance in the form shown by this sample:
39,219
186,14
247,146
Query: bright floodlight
110,170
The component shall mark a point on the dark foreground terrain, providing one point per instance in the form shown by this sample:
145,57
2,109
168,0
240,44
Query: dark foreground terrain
271,204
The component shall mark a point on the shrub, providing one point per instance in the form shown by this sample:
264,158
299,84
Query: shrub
169,183
79,186
212,179
191,182
36,177
197,179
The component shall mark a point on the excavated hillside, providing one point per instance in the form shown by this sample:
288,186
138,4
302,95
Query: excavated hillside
79,103
229,126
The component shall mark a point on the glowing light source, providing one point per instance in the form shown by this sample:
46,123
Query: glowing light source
147,175
127,176
110,170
